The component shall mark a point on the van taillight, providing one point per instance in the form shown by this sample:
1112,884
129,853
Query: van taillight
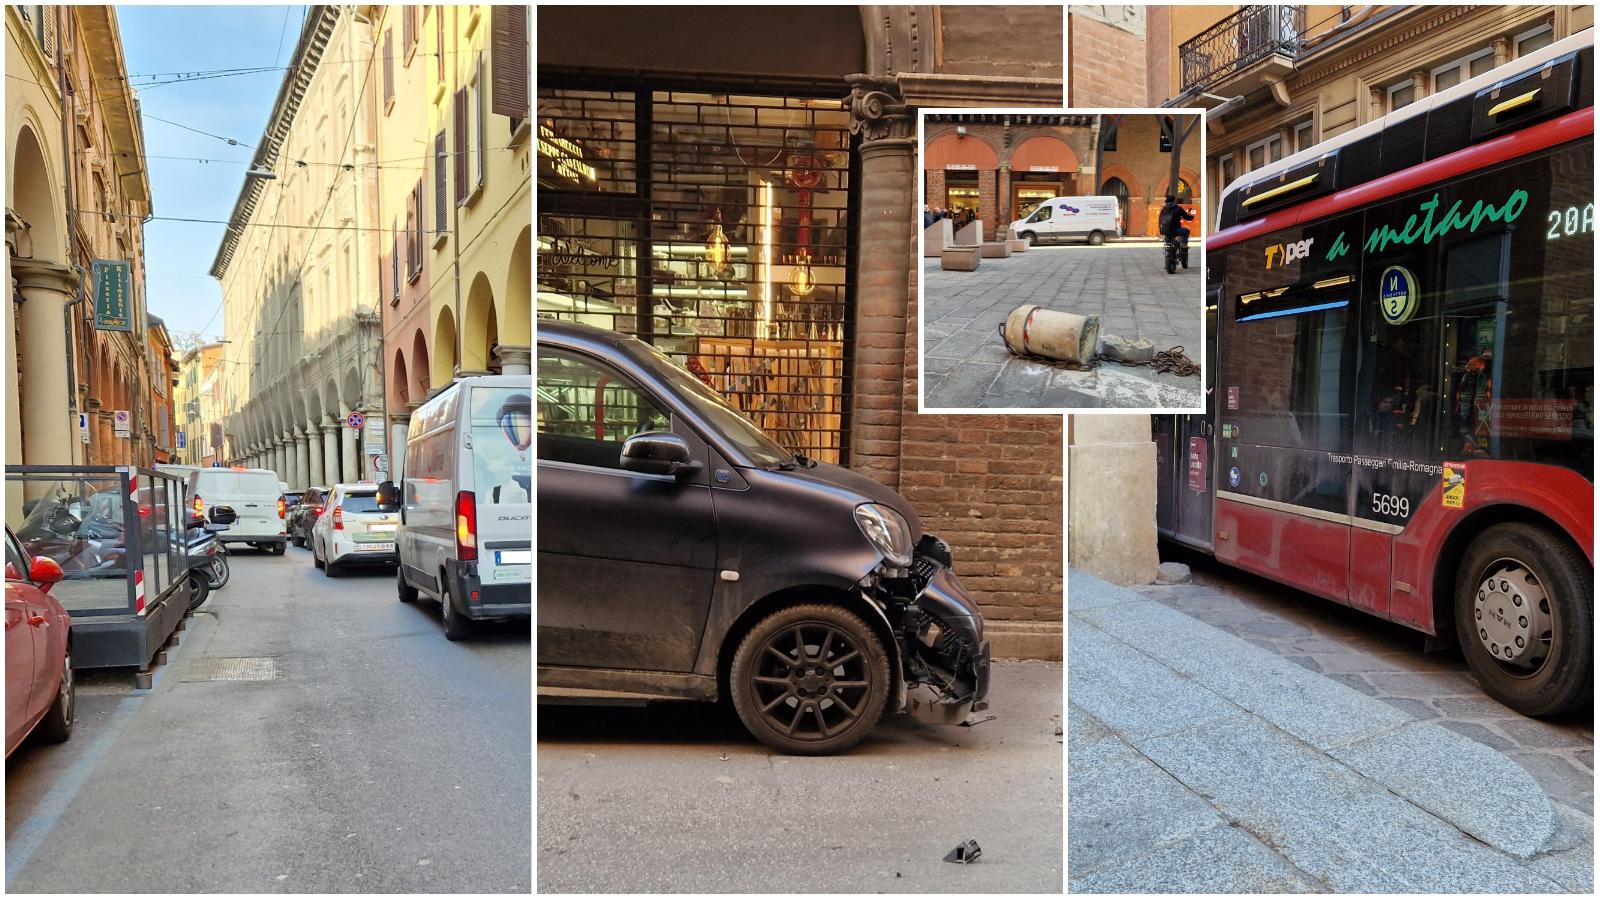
338,518
466,526
280,507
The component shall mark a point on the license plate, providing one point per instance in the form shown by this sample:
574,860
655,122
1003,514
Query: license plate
513,557
381,529
365,548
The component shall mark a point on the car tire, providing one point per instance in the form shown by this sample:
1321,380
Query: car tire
295,540
56,726
408,594
1541,573
1096,238
316,557
787,705
279,549
1030,237
330,568
456,626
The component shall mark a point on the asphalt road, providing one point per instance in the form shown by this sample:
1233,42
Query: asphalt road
381,758
678,798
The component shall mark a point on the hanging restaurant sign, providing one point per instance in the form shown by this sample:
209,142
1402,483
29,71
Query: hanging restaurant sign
112,310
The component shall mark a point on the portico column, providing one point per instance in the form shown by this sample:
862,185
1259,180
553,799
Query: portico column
330,453
398,427
46,423
301,464
515,360
351,454
887,239
279,457
314,456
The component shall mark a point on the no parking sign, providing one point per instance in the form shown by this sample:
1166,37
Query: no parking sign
355,419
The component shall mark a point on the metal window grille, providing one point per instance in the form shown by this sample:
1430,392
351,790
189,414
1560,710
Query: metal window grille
717,226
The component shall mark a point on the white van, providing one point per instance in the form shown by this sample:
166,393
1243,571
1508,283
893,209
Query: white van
466,502
1072,218
254,496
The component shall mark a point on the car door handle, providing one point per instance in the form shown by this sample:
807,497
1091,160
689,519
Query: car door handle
38,620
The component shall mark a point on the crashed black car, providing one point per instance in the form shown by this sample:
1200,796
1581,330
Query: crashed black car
684,555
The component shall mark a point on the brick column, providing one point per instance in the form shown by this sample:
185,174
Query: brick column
888,236
935,188
987,204
1003,213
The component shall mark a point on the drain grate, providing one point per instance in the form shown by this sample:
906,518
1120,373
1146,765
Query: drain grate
232,668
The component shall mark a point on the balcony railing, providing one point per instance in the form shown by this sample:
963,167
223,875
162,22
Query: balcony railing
1251,34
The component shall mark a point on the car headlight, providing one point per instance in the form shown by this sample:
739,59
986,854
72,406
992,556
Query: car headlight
888,532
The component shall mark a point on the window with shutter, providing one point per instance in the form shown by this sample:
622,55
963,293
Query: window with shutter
440,177
411,236
438,39
410,20
394,265
417,235
388,69
480,152
461,145
508,61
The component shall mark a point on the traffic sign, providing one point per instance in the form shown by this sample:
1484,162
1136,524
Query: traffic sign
122,422
355,419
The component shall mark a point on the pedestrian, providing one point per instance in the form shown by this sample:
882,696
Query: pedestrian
928,217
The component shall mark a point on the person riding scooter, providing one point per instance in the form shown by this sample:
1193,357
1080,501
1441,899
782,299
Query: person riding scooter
1175,237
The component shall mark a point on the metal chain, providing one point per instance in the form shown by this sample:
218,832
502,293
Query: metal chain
1172,361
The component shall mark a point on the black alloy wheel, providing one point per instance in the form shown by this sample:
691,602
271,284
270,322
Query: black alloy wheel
1525,618
810,680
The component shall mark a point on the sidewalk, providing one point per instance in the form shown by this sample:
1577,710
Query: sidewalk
1200,762
966,365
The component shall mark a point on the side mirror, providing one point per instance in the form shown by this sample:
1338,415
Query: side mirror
658,453
45,571
388,497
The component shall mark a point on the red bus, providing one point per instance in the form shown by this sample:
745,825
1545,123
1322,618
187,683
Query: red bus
1401,376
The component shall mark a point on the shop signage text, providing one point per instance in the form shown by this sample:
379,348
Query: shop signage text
111,313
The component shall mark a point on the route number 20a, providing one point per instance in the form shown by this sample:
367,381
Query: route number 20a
1390,505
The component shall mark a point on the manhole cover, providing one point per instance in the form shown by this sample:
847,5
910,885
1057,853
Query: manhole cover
232,668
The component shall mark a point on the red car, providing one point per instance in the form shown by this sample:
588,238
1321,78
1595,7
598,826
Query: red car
39,689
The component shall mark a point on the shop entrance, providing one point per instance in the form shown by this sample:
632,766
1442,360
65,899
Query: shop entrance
1027,195
717,227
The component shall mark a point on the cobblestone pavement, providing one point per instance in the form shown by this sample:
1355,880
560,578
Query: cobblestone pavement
1384,660
965,364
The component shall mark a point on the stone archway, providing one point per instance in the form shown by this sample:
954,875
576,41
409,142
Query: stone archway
42,431
444,348
422,372
400,383
517,340
479,327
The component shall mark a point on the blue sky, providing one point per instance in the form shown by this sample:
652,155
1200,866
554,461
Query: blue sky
159,39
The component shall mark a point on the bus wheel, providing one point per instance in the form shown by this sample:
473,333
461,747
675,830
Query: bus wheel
1524,619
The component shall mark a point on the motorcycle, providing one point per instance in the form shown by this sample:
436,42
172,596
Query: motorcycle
1177,252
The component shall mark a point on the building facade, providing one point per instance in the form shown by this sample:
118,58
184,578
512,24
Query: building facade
76,193
1308,73
161,401
299,267
752,213
456,241
197,398
999,167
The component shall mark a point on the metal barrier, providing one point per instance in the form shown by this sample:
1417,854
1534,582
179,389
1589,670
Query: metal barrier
118,534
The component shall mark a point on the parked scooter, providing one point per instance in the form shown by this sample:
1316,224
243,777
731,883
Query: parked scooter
203,547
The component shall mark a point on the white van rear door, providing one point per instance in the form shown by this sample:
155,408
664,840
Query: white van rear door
500,456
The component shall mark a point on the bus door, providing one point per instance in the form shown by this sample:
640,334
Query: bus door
1185,459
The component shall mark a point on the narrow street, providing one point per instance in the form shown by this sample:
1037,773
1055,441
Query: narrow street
345,746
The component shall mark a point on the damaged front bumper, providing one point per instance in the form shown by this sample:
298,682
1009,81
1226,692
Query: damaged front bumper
944,660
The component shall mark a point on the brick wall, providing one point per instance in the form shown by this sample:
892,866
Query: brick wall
1108,65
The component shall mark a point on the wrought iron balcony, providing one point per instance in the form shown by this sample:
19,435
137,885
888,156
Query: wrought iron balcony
1235,43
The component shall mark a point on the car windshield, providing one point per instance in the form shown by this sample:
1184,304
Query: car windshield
729,422
359,503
